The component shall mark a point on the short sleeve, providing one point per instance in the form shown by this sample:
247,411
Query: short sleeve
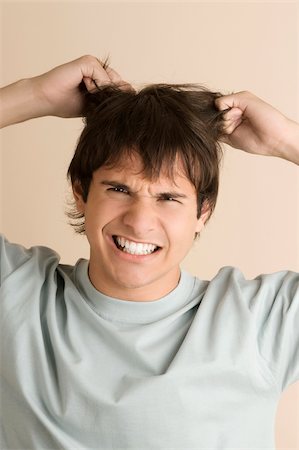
15,257
276,311
12,256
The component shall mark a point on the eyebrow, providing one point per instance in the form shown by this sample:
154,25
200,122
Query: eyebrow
172,194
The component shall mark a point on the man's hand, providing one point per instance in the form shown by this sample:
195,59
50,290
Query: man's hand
256,127
57,92
60,87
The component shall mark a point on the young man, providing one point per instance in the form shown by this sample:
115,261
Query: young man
126,350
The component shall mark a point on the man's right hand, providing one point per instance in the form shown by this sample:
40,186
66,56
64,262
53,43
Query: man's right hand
57,92
60,87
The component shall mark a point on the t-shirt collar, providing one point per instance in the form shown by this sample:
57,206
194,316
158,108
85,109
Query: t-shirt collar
117,310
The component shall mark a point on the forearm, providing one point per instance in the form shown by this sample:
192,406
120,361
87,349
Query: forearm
289,148
19,102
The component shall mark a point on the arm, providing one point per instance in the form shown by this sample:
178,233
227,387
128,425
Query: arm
256,127
55,93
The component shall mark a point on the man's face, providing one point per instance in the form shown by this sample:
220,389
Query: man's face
138,230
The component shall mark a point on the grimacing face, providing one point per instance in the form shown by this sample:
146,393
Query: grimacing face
139,230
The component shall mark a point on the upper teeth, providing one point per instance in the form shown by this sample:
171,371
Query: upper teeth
135,248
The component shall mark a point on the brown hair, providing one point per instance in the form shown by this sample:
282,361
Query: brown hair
159,123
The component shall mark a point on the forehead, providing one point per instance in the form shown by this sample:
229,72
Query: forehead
131,170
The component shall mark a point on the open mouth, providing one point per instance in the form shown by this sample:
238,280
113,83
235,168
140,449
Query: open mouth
134,248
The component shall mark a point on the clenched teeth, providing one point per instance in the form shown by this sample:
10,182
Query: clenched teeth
134,248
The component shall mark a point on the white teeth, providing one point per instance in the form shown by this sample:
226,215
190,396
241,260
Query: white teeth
139,248
135,248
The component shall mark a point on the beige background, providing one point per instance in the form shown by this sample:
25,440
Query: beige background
228,46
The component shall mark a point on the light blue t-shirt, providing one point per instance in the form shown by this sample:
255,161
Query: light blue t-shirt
201,368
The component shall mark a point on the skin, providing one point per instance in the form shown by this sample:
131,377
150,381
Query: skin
55,93
254,126
142,213
250,124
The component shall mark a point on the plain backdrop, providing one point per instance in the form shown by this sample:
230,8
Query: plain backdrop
227,46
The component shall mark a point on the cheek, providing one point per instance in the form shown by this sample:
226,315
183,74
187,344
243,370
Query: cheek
182,228
98,215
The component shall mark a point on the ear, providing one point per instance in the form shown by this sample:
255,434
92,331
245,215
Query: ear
204,215
78,197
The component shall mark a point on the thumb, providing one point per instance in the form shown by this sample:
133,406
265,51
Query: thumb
232,119
235,100
233,111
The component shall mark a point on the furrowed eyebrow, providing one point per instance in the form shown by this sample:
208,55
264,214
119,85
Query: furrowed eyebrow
171,194
159,195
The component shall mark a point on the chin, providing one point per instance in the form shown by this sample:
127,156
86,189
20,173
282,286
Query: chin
132,282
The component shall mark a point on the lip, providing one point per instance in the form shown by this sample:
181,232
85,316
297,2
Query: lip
133,258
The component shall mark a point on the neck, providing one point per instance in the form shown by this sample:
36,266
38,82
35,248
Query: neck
137,291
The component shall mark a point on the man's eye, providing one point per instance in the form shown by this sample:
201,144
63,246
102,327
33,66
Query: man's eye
169,199
118,189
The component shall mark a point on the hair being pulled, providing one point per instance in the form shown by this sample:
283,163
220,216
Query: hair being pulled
160,123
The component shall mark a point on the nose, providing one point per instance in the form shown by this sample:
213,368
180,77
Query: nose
141,216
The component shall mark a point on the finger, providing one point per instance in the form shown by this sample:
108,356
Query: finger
91,85
93,73
118,81
233,114
230,127
113,75
235,100
224,102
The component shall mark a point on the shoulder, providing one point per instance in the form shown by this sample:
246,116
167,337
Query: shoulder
33,261
232,276
231,284
260,314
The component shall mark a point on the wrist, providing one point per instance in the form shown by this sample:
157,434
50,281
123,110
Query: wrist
21,101
289,148
42,105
